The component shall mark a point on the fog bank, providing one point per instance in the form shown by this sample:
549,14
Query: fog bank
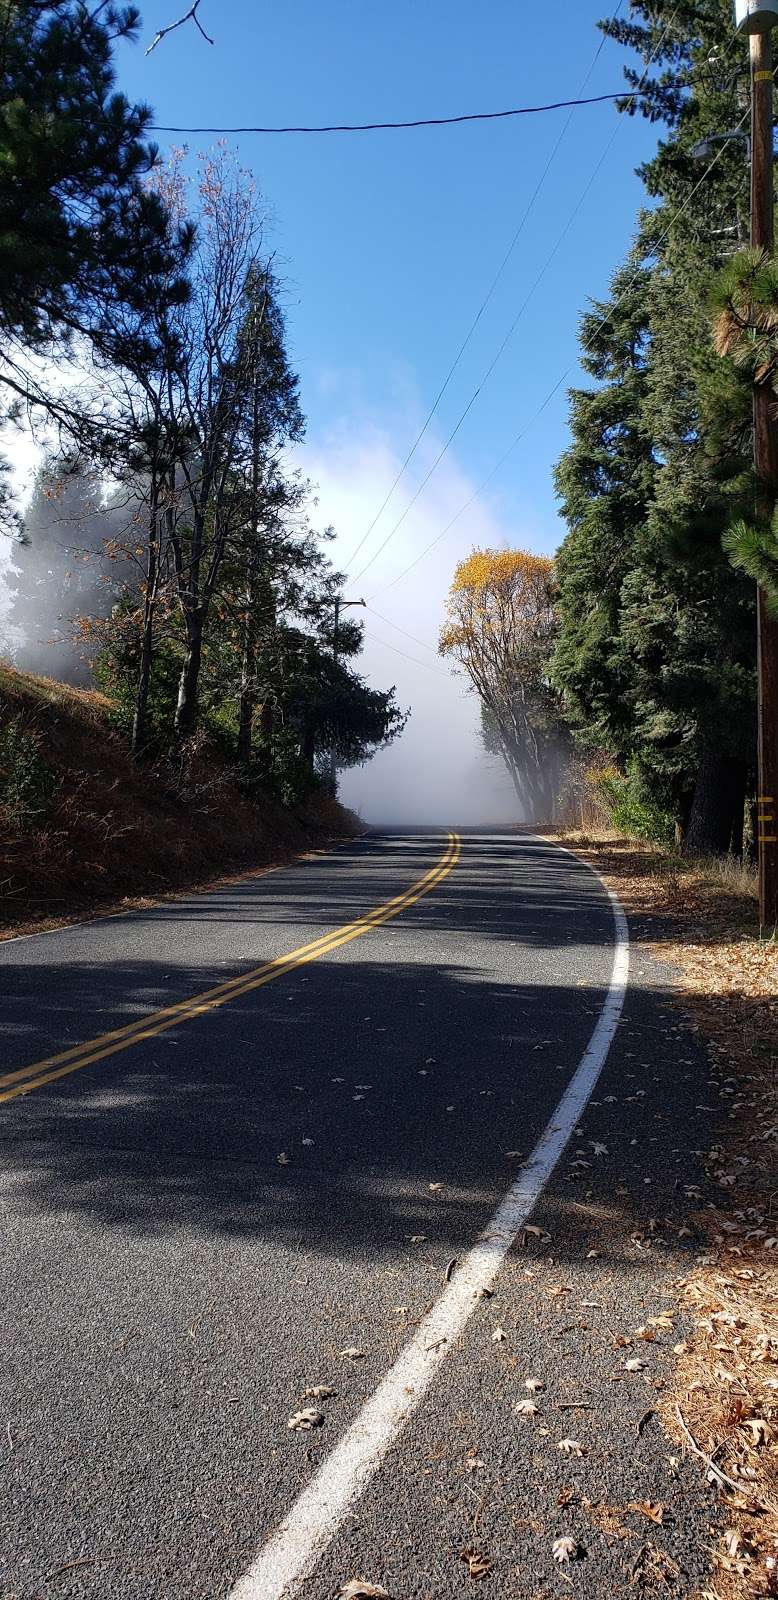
438,772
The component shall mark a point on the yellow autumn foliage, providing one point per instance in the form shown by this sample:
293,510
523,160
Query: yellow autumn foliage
509,590
497,569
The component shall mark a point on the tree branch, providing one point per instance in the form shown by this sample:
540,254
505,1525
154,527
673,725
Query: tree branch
188,16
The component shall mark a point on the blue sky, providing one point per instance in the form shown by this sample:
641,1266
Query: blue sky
388,243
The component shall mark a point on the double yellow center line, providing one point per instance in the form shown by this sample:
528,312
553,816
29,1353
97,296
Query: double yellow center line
199,1005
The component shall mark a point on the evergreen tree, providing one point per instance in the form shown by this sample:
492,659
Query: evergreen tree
79,227
656,650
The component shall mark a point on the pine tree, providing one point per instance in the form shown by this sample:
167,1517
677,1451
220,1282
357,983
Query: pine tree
78,225
656,652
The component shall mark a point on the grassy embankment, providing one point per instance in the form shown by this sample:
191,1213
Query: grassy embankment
83,829
700,917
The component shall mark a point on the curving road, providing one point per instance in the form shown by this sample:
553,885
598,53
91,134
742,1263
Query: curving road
250,1130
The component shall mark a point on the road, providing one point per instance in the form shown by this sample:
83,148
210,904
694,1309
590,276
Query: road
253,1129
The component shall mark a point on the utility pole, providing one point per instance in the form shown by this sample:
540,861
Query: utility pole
759,20
339,604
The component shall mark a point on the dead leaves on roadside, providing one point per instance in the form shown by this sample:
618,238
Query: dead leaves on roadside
305,1421
360,1589
564,1549
648,1508
478,1564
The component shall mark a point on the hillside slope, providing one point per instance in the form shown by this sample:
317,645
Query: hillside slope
83,828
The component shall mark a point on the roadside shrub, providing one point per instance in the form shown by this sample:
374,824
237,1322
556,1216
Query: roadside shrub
281,770
27,784
633,808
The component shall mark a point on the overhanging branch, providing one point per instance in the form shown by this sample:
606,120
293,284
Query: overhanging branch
188,16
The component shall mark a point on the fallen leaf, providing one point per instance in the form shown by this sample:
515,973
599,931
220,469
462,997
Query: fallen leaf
304,1421
352,1353
284,1159
759,1429
477,1565
308,1143
647,1508
571,1447
319,1391
634,1364
498,1336
526,1408
565,1549
533,1232
358,1589
599,1149
434,1187
534,1385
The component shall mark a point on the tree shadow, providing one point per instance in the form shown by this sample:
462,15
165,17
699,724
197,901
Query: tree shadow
401,1094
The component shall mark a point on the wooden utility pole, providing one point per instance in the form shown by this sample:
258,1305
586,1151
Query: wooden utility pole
766,465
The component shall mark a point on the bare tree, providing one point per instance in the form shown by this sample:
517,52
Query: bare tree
207,387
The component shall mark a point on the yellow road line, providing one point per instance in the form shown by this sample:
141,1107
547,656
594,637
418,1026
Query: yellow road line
107,1044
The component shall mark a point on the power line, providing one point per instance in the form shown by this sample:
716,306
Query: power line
404,631
557,386
406,657
481,309
517,319
419,122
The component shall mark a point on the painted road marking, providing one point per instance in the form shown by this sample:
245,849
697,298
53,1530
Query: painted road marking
24,1079
292,1553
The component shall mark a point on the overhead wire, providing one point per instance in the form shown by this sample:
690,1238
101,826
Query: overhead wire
481,309
557,386
385,642
517,319
417,122
413,639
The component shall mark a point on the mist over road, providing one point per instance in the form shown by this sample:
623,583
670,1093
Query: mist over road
249,1139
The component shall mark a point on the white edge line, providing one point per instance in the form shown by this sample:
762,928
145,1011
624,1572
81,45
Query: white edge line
291,1553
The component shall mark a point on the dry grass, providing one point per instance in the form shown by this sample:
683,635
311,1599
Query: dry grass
116,834
700,916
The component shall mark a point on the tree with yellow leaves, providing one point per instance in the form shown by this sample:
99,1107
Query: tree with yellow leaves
501,628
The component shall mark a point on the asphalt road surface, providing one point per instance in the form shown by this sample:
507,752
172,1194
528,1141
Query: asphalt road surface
224,1166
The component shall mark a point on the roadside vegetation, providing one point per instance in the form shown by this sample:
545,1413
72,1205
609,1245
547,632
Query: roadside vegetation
625,672
643,660
170,556
85,829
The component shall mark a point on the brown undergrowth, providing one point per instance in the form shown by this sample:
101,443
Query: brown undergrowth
700,917
113,834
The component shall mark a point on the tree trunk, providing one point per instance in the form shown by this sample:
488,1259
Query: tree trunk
308,748
186,708
716,818
248,674
140,717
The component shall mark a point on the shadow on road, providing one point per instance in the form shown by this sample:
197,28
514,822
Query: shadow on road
404,1095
